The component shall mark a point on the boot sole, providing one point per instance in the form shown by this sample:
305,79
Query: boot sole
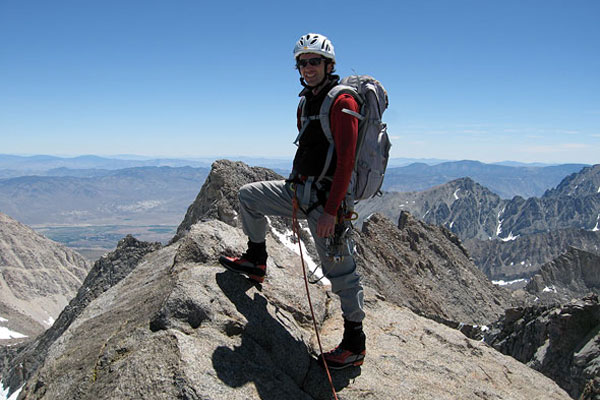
333,366
254,278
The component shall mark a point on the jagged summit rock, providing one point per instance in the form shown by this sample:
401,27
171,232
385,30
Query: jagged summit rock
218,199
427,269
218,196
38,277
179,326
581,184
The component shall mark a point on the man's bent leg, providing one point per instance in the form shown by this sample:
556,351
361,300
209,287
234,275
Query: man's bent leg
261,199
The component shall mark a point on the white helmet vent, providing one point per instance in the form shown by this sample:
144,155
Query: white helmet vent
315,43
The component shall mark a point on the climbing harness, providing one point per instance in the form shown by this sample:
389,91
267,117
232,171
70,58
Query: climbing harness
341,242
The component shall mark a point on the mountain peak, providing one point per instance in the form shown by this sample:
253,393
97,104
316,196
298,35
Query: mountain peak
583,183
217,198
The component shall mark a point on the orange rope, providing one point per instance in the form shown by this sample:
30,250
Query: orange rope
296,229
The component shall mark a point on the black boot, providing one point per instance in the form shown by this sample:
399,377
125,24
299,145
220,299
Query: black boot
354,337
352,349
252,263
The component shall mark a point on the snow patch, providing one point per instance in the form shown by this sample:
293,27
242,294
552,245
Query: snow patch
50,321
456,194
310,264
596,229
451,224
550,289
499,229
509,237
506,283
598,189
4,393
6,333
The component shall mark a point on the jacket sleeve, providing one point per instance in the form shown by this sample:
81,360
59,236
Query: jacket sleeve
344,128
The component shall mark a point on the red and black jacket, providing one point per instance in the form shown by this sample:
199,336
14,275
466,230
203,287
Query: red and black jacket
313,145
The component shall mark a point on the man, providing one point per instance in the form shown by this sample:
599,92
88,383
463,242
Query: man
321,201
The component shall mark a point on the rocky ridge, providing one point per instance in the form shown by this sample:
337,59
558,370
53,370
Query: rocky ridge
106,272
574,274
427,269
523,256
38,277
179,326
561,341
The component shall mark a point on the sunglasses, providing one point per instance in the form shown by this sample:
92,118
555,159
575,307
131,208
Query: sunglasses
312,61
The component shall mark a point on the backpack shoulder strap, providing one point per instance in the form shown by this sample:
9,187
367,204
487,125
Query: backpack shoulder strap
324,114
332,95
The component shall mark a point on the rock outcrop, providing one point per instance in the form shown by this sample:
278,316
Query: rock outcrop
38,277
179,326
574,274
427,269
562,342
218,196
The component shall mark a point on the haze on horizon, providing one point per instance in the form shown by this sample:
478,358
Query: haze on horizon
486,81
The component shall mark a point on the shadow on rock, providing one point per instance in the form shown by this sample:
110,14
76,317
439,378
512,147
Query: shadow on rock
272,354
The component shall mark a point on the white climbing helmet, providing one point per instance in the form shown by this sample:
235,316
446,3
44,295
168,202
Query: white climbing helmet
314,43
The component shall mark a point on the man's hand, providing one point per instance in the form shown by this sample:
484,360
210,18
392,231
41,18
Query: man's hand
326,225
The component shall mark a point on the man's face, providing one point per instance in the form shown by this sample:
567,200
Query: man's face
313,74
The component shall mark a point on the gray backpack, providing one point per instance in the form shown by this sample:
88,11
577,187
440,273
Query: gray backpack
373,144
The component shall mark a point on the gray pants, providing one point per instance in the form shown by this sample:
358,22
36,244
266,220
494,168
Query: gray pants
274,198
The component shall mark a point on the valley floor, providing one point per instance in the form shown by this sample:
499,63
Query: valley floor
93,241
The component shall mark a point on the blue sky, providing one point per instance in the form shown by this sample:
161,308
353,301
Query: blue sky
481,80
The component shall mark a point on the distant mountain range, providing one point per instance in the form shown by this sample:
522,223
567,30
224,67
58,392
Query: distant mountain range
506,181
472,211
507,238
156,195
90,202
